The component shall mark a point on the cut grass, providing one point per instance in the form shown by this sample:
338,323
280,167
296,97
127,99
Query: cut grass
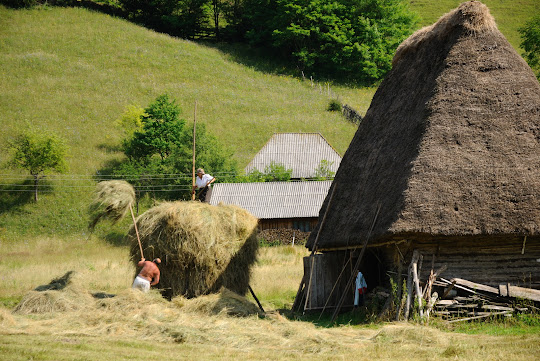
137,327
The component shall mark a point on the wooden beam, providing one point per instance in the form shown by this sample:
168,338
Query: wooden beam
507,290
475,286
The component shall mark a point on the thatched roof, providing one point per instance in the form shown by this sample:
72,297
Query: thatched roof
449,145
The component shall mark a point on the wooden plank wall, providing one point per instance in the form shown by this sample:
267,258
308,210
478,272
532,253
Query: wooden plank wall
326,270
489,262
285,223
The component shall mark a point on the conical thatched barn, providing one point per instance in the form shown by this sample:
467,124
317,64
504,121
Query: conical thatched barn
446,160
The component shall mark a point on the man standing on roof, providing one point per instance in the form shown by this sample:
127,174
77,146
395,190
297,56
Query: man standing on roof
203,181
149,275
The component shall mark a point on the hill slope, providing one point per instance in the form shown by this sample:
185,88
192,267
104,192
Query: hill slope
509,14
73,71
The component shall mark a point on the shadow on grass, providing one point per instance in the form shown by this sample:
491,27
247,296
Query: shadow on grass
358,316
270,61
110,148
15,195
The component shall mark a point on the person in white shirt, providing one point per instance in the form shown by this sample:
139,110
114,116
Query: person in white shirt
203,182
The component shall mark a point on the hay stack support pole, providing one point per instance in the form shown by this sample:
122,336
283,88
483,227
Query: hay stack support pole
136,229
307,290
193,170
256,299
355,269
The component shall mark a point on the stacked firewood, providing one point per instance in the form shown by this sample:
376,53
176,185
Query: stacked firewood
458,300
284,236
466,300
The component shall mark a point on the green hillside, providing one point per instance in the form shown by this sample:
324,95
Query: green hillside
509,15
73,71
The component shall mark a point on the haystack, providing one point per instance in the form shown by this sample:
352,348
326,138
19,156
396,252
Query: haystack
60,295
202,247
111,201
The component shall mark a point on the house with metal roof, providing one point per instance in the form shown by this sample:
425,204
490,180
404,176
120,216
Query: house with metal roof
301,152
293,205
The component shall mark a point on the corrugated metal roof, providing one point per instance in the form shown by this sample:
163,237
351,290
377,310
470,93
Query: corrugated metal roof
301,152
274,199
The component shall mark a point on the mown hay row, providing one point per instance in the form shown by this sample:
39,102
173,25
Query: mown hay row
202,247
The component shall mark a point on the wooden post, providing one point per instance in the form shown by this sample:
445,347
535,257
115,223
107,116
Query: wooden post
417,289
410,285
399,286
194,133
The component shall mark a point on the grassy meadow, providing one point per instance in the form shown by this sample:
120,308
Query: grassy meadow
139,326
73,71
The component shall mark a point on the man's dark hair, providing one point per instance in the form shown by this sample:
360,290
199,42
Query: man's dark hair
157,261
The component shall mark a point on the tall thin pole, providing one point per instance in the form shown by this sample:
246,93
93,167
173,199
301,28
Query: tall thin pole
136,230
194,133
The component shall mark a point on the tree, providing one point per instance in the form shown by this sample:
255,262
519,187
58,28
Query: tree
162,131
274,172
38,154
530,42
347,39
324,171
131,120
159,154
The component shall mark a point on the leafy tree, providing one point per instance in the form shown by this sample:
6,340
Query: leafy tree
162,131
274,172
349,39
131,120
159,155
184,18
324,171
38,154
530,42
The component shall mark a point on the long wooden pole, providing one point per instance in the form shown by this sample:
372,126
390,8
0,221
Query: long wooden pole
314,248
136,230
193,171
355,269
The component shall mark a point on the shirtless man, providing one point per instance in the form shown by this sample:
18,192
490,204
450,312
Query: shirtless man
149,275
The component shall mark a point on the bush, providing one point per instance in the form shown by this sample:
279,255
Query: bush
334,106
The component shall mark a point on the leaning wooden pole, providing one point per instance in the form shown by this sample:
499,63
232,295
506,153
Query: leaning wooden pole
355,269
314,249
193,170
136,230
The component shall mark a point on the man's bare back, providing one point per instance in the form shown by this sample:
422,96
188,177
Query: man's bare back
150,270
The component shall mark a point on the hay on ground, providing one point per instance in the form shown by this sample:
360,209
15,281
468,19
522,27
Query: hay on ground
111,201
202,247
224,302
60,295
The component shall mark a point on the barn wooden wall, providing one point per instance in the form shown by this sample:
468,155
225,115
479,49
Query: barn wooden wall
486,261
326,284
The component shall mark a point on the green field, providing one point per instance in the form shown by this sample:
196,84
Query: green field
73,71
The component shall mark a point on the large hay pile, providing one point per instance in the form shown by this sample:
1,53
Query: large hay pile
202,247
111,201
